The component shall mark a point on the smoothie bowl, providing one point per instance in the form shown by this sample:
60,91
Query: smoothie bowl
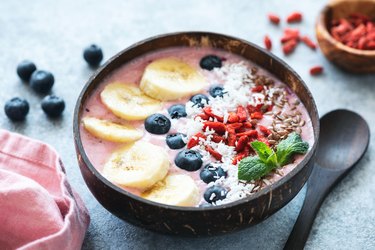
195,133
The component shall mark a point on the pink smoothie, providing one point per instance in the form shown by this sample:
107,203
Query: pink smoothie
98,150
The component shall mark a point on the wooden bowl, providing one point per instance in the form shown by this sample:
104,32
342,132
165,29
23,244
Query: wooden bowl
197,220
350,59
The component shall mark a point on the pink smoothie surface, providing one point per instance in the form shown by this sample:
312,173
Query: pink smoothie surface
99,151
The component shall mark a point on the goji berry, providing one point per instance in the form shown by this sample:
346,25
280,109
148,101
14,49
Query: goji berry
274,18
241,143
257,89
308,42
234,126
256,115
214,153
316,70
219,127
194,140
240,156
241,112
233,117
264,130
217,138
267,42
247,125
289,47
208,111
231,139
249,133
263,139
203,117
294,17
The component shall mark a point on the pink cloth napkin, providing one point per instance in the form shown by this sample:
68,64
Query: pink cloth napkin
38,208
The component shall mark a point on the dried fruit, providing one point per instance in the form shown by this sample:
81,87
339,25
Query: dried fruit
219,127
195,140
306,40
316,70
294,17
289,47
241,112
274,18
267,42
214,153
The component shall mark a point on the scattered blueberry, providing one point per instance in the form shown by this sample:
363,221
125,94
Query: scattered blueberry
215,193
209,62
16,109
210,173
189,160
157,124
53,105
175,141
217,90
25,69
42,81
199,100
93,55
177,111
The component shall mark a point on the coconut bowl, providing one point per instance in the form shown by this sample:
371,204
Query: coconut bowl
197,221
347,58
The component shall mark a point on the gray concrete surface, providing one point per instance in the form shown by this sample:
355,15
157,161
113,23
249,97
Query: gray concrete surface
53,34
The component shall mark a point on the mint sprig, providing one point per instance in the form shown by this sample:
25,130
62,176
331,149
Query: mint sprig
255,167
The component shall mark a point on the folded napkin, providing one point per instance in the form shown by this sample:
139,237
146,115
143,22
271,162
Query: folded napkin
38,208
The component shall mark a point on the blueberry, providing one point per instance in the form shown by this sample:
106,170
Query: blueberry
189,160
199,100
177,111
157,124
210,173
52,105
209,62
216,90
93,55
42,81
16,109
215,193
25,69
175,141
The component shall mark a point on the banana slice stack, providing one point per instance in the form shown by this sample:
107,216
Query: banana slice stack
170,79
177,190
137,165
110,131
128,102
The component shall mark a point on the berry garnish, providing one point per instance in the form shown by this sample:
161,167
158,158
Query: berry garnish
215,193
157,124
189,160
16,109
177,111
209,62
53,105
199,100
216,91
210,173
176,141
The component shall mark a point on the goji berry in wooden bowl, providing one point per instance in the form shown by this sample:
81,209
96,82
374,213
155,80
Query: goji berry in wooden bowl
348,51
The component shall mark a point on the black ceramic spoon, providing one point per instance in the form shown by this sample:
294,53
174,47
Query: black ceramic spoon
343,140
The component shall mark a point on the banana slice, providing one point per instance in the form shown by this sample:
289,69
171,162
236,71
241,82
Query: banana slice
110,131
177,190
128,102
169,79
137,165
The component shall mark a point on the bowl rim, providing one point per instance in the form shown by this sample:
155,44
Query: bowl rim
321,23
265,190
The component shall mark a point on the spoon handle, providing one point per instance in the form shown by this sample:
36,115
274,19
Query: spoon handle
318,186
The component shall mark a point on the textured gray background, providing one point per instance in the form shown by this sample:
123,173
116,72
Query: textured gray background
53,34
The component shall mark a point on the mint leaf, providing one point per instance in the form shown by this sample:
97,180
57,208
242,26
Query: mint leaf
252,168
262,150
272,160
293,144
